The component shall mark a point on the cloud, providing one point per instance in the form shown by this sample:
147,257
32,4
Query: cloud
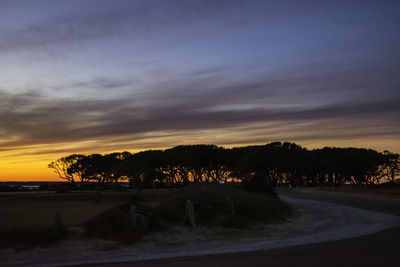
98,20
139,20
32,119
101,83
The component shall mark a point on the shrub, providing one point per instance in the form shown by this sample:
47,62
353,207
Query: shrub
226,205
214,205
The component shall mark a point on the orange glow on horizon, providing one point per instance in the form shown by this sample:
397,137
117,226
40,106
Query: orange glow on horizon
33,171
29,163
32,166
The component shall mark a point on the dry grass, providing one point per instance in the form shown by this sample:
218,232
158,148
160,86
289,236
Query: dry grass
38,210
28,220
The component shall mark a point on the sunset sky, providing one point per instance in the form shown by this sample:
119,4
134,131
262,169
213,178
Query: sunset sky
92,76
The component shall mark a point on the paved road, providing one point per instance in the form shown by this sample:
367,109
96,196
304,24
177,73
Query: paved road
379,249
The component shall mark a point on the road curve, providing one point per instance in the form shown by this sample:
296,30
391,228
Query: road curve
379,249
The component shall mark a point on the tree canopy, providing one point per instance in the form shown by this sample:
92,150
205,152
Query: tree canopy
255,166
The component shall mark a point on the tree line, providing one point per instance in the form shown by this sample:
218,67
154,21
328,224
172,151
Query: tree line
259,167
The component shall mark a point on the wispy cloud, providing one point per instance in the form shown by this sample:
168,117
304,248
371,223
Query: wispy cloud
96,20
34,119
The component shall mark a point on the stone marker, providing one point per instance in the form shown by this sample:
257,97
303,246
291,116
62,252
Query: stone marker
139,221
190,213
133,215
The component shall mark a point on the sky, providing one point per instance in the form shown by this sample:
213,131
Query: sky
98,76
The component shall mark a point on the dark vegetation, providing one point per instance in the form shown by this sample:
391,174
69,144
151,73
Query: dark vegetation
215,205
260,168
113,224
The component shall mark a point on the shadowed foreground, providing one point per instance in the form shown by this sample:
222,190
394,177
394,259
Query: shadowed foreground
380,249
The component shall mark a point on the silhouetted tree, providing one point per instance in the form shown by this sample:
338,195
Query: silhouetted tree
62,167
391,167
262,166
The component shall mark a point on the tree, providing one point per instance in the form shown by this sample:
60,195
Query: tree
391,167
61,166
262,165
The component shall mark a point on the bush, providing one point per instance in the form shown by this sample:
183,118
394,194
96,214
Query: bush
116,224
113,224
214,205
226,205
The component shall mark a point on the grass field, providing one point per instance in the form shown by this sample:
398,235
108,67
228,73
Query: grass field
28,220
30,210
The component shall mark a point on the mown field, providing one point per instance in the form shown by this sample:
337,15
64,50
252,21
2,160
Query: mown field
29,210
